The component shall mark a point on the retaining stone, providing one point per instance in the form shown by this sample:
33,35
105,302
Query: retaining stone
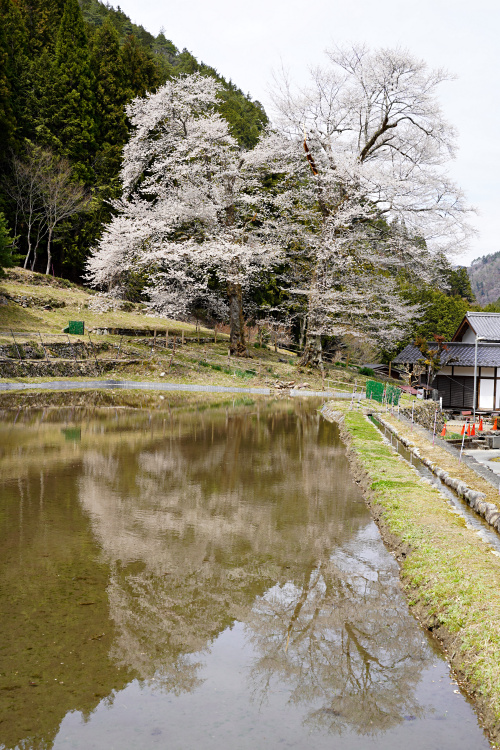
475,499
423,414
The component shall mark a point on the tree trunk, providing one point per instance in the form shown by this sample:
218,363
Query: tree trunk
35,254
28,253
237,345
302,330
312,356
49,252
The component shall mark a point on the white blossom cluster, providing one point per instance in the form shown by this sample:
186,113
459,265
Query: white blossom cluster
349,190
378,147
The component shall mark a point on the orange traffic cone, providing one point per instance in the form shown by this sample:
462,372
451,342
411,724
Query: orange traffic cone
468,430
443,431
473,431
495,424
463,429
481,425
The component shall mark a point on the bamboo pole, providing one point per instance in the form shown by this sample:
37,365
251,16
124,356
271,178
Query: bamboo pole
463,440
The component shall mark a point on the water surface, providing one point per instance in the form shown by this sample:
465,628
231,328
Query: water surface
204,579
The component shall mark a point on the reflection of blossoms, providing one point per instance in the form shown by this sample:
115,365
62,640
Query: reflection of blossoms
191,545
341,644
199,524
152,638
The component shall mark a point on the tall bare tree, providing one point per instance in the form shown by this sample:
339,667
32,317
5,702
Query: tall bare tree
23,186
45,194
370,127
61,198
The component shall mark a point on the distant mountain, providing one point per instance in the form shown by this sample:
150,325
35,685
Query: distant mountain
484,274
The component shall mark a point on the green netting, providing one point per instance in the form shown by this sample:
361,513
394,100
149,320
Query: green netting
380,392
392,394
374,390
76,327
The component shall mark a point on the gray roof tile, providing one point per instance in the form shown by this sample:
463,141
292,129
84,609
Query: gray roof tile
485,324
488,355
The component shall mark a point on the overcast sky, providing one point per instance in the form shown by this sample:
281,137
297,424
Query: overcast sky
247,41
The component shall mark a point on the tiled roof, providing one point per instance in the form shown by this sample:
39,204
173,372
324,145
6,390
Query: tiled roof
488,355
485,324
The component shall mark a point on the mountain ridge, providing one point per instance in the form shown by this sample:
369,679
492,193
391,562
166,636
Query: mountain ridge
484,275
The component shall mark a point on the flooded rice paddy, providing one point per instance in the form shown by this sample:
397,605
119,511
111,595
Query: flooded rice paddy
204,579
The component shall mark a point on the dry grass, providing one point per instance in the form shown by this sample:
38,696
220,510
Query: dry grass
41,291
193,363
445,460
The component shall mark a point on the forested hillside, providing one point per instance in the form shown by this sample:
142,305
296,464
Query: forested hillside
66,72
484,274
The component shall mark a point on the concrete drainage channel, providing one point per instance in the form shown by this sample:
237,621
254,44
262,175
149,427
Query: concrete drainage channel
461,497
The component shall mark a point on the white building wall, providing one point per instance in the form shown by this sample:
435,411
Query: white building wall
469,336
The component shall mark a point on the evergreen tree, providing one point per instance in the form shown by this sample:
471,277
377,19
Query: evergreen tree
140,71
7,117
6,245
40,101
111,96
441,314
246,119
42,19
72,121
13,73
459,283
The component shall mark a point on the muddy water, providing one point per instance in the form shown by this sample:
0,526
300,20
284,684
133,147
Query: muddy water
204,579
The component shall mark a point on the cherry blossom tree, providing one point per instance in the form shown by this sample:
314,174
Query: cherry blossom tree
193,213
377,146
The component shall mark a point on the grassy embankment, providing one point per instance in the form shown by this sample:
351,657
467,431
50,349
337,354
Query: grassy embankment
444,459
36,302
451,577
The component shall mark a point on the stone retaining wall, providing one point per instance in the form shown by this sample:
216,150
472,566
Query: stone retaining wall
423,414
54,368
59,350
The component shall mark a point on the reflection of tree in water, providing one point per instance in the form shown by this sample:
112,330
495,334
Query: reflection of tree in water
161,624
196,522
342,643
196,529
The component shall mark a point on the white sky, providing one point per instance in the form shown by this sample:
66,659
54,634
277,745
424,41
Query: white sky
247,41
